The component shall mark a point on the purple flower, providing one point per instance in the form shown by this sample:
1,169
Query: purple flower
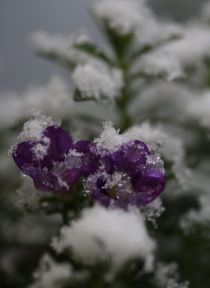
53,161
128,176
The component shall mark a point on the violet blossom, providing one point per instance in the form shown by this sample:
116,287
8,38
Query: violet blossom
54,162
129,176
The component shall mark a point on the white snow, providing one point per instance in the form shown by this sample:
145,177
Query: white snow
102,234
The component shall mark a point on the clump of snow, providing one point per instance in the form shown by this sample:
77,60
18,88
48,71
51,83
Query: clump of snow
153,32
51,274
167,276
159,64
61,47
163,101
110,138
95,79
122,15
197,217
27,195
33,129
153,211
193,46
198,108
102,234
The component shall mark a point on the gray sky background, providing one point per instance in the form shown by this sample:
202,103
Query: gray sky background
19,68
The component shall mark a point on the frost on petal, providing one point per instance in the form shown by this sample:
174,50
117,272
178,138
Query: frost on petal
96,80
51,274
122,15
34,128
102,234
160,141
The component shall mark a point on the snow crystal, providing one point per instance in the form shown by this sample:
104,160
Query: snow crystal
100,234
51,274
33,129
95,79
167,276
110,138
122,15
40,149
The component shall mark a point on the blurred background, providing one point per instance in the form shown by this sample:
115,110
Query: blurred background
20,68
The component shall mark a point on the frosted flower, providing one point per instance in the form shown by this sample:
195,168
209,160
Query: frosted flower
122,15
51,274
103,234
170,147
96,80
127,174
46,157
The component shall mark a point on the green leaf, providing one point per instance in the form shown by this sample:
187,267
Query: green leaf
58,59
147,48
93,50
